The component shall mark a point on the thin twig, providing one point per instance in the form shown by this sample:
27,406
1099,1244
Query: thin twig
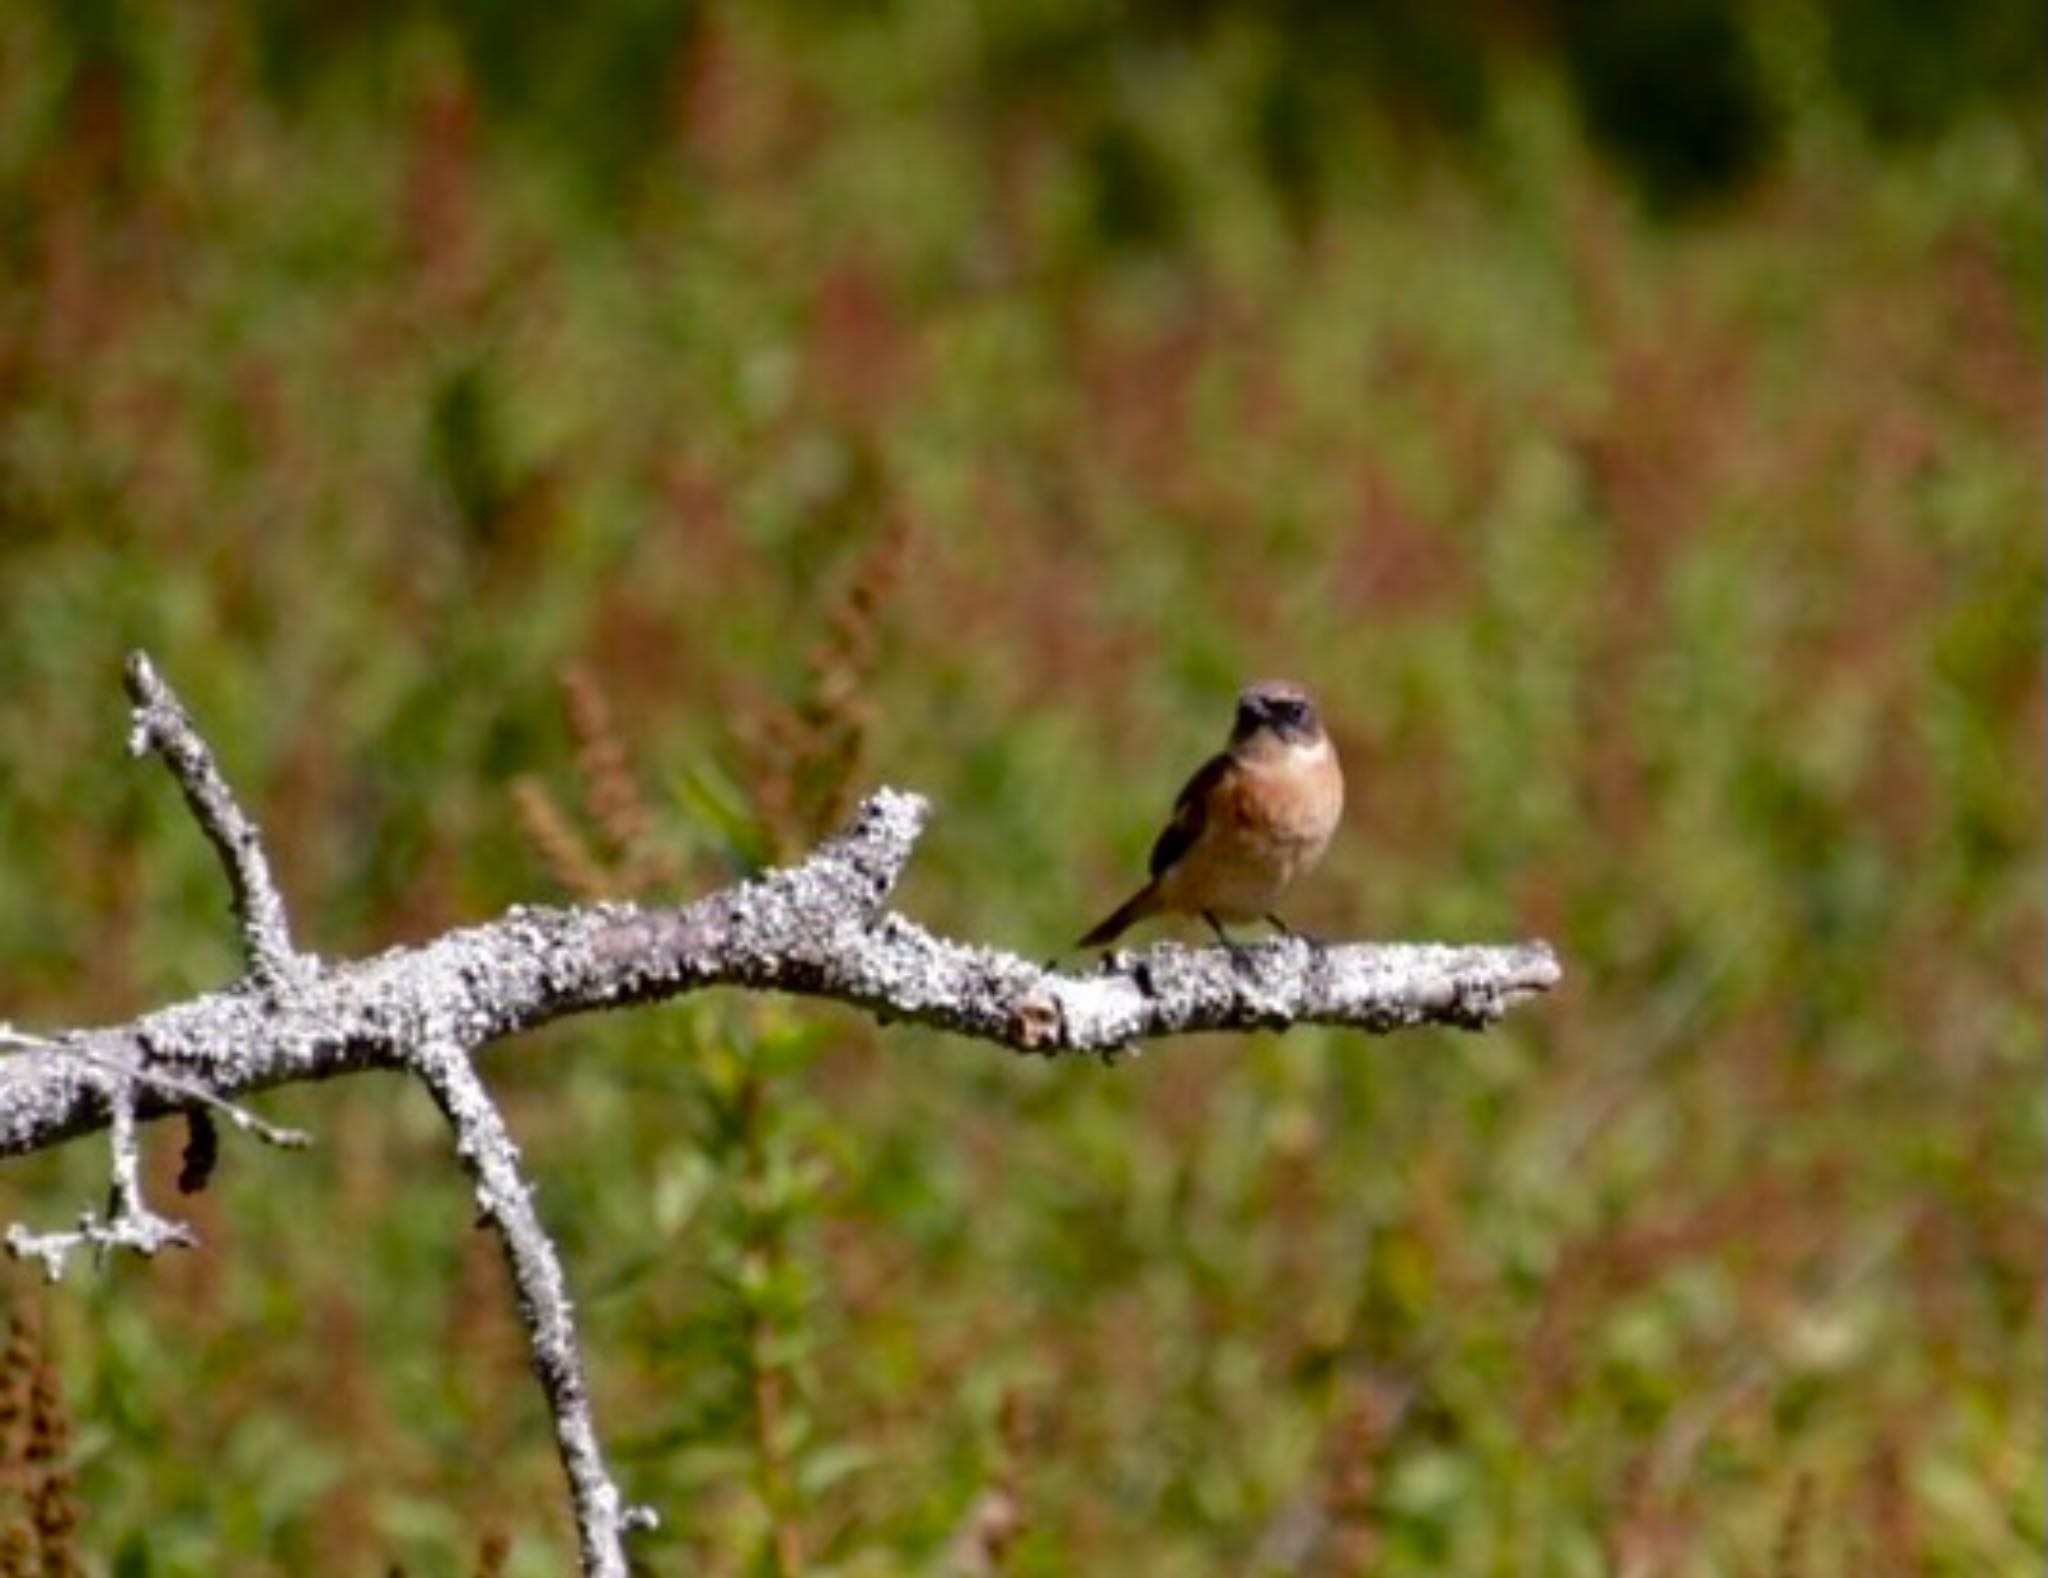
162,725
166,1084
129,1222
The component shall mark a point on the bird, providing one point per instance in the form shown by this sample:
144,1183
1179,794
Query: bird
1253,818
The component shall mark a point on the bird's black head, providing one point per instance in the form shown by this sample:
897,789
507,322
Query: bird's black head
1278,707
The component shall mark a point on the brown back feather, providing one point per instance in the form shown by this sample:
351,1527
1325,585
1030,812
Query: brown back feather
1190,813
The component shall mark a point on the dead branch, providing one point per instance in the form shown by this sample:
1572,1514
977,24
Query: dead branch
820,928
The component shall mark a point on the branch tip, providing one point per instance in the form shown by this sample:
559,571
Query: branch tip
162,725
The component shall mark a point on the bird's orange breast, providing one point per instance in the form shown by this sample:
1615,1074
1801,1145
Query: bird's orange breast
1267,820
1293,798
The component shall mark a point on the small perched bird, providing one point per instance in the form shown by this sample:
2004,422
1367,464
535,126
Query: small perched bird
1251,820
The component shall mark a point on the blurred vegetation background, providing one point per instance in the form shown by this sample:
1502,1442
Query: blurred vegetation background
1628,418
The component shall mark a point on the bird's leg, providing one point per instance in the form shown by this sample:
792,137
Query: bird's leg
1288,931
1231,945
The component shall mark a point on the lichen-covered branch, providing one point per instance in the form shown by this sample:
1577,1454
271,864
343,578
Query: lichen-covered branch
821,928
505,1203
161,725
168,1085
817,929
159,1060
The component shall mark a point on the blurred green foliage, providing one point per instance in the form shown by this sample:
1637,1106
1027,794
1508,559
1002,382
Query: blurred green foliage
1626,418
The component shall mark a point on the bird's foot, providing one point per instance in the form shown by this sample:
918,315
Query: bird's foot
1240,953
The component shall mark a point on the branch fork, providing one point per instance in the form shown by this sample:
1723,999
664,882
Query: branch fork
129,1222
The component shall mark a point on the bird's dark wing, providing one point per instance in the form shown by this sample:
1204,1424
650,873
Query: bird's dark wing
1190,812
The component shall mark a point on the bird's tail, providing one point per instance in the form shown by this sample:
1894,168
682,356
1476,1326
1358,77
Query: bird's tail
1126,915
